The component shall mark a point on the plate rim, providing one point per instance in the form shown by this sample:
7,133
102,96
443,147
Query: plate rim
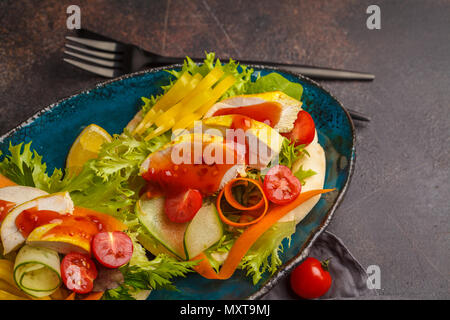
286,268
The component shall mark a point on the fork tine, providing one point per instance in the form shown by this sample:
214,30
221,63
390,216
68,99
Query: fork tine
97,44
105,72
100,54
106,63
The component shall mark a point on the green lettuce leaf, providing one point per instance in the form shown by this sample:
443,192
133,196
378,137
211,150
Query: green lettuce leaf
223,246
144,274
109,182
290,153
25,167
124,154
276,82
302,174
264,255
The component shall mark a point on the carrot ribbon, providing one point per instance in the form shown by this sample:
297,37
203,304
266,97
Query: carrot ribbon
227,192
249,237
5,182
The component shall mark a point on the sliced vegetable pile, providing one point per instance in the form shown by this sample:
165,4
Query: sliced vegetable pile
51,243
86,232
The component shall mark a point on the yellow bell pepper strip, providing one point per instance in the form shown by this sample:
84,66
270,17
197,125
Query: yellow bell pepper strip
189,117
160,130
6,272
183,114
173,112
182,87
207,82
248,238
12,289
200,97
7,283
9,296
218,91
186,122
171,97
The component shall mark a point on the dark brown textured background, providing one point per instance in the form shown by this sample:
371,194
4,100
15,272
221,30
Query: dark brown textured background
396,212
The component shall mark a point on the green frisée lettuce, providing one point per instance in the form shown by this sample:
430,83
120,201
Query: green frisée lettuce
25,167
218,251
144,274
109,183
264,255
124,154
290,153
302,174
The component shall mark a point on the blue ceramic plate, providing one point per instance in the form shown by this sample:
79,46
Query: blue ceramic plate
112,104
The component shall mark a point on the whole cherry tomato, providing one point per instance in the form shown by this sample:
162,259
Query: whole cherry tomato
311,279
304,129
78,272
112,249
182,207
280,185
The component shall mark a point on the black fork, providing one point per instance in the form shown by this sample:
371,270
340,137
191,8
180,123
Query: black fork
109,58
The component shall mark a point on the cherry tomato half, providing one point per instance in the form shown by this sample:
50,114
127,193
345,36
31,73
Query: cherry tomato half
182,207
311,279
304,129
78,272
112,249
280,185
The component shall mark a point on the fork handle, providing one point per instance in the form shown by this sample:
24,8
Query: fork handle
312,72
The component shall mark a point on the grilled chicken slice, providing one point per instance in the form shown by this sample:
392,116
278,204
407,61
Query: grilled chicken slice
276,109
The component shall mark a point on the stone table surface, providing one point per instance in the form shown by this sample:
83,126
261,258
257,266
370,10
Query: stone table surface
396,211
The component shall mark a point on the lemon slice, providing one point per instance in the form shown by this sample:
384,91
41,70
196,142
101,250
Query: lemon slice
86,147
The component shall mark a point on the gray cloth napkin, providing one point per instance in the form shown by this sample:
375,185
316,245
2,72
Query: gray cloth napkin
349,277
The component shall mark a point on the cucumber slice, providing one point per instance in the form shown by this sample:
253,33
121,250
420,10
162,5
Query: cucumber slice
37,271
170,234
203,231
141,294
153,245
